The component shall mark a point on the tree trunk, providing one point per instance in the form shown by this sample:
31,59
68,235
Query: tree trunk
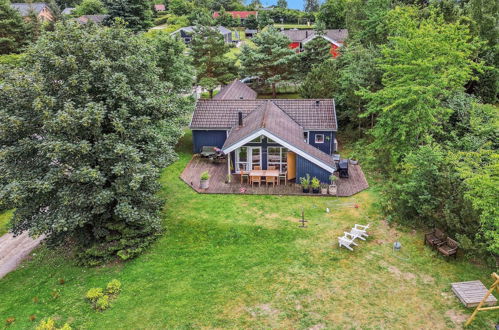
273,90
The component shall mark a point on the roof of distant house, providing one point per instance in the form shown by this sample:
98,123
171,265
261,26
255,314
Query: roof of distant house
236,90
237,14
190,30
26,8
222,114
159,7
97,19
68,11
339,35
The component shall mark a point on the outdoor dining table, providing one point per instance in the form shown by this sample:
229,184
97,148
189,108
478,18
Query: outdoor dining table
264,173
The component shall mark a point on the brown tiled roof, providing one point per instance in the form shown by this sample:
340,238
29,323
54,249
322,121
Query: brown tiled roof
222,114
339,35
272,119
236,90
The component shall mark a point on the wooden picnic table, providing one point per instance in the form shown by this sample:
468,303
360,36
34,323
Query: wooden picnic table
264,173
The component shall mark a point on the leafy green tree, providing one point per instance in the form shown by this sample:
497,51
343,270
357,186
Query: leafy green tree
415,81
270,59
321,81
90,7
366,21
332,14
85,129
255,4
14,33
485,14
226,19
251,22
282,4
264,20
136,13
209,54
180,7
315,52
176,68
312,6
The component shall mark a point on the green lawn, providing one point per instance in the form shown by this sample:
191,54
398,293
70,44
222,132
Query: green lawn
4,221
294,26
243,262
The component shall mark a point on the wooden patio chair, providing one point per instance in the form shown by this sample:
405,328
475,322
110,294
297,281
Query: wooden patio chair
435,238
257,168
271,179
256,179
284,175
271,168
245,174
345,241
448,248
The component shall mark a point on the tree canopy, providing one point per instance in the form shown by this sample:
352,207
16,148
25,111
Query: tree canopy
270,59
136,13
85,128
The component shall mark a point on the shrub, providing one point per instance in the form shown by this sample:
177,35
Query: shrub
305,182
113,287
315,183
94,294
205,175
49,324
102,303
161,20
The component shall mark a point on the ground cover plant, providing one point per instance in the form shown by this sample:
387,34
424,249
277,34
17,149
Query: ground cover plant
243,262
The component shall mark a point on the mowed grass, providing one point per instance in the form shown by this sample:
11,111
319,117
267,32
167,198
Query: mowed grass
236,261
4,221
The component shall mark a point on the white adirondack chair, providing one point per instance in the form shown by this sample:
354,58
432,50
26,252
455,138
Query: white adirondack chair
357,233
346,242
361,229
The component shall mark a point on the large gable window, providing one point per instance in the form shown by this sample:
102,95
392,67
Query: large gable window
247,158
278,157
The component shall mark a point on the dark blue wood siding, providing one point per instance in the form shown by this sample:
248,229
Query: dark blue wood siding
207,138
304,166
328,144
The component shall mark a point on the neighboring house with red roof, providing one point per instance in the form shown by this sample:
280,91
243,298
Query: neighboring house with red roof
242,15
299,38
159,8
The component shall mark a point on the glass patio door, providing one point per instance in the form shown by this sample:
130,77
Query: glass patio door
247,158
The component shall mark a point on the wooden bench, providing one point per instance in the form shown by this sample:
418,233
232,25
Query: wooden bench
448,248
435,238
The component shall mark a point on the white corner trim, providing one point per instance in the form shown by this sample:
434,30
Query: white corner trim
281,142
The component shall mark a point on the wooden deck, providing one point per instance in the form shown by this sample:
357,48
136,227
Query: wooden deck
471,293
218,172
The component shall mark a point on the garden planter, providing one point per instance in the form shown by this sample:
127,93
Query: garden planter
315,191
332,190
324,191
204,184
306,190
354,162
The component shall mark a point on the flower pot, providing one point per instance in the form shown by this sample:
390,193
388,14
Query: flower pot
306,190
324,191
332,189
315,191
354,162
204,184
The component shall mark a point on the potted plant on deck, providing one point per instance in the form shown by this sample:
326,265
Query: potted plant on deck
205,180
305,183
316,185
332,187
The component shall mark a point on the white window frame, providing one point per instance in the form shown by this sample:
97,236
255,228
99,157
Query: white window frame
280,162
249,160
323,138
307,134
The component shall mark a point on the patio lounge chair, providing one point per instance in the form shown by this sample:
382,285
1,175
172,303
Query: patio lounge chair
208,151
448,248
358,233
362,227
346,241
435,238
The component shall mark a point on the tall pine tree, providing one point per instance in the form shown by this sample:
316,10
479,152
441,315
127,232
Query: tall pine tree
136,13
14,32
